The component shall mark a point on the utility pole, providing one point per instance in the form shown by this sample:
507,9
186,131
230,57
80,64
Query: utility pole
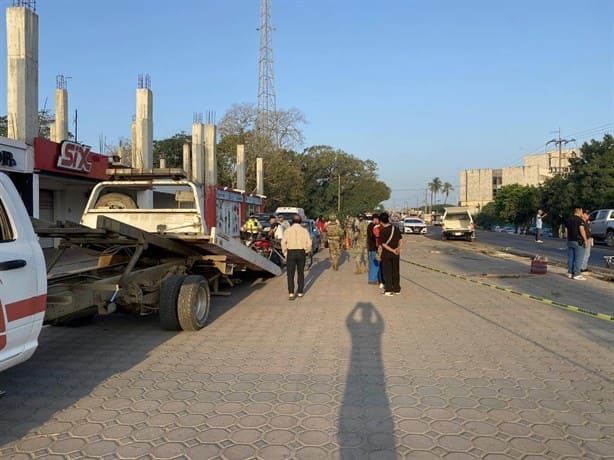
560,143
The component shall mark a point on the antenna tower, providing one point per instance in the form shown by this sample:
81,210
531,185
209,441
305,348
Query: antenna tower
266,80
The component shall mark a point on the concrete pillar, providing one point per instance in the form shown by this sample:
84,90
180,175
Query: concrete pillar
210,156
143,151
187,161
241,167
259,176
22,74
61,115
163,163
198,153
133,144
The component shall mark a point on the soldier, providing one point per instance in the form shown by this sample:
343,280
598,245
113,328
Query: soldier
334,234
360,245
348,226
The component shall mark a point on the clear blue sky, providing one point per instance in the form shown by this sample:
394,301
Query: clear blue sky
425,88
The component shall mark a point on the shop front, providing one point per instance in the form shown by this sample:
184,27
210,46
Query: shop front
66,174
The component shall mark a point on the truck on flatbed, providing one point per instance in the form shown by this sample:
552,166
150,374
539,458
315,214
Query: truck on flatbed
155,255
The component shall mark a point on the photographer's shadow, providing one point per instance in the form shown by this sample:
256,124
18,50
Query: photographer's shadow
365,425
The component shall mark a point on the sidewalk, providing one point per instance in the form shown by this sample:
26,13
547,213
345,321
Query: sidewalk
448,369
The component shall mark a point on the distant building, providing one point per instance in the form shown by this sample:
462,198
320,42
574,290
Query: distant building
479,186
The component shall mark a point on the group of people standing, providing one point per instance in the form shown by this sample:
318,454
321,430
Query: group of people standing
367,240
579,240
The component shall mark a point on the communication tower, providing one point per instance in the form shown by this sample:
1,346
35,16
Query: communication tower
266,81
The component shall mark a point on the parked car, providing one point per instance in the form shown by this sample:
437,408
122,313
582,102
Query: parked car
602,225
414,225
546,231
311,227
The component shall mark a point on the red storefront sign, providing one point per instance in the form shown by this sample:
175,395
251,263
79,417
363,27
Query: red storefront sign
69,158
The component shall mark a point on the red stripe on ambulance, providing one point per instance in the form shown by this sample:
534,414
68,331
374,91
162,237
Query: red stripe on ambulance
25,308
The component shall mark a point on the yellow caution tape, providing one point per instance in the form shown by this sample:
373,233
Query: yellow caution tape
550,302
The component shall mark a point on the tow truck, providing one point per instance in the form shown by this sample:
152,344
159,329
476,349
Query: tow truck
155,256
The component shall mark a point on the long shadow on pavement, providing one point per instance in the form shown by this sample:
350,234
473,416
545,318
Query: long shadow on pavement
365,425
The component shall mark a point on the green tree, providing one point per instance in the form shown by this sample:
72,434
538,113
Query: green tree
170,149
434,186
488,216
329,173
446,188
517,204
590,183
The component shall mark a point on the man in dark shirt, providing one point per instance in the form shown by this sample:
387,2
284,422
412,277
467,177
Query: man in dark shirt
577,240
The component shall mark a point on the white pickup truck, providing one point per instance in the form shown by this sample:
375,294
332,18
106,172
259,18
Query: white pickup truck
23,279
457,223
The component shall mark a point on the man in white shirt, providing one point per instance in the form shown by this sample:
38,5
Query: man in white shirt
538,225
295,245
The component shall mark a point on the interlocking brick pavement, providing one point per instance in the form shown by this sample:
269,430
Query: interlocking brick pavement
447,370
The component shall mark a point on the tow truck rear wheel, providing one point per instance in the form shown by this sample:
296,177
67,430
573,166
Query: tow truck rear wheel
193,303
169,293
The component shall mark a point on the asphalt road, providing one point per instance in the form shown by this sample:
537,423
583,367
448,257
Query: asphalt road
553,248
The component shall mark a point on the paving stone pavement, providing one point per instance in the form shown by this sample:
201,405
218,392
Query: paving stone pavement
448,370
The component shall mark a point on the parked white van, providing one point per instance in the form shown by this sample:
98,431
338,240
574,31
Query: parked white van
288,212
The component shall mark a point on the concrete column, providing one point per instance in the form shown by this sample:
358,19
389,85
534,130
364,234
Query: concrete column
22,74
187,162
259,176
241,167
143,151
210,156
198,153
163,163
61,115
133,144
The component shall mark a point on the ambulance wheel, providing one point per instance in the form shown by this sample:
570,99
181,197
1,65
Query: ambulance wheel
116,201
193,303
169,293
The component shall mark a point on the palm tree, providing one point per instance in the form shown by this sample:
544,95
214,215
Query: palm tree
446,188
434,186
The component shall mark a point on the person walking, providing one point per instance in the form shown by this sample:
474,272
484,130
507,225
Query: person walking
295,245
321,225
334,235
590,243
391,241
372,243
360,245
538,225
576,242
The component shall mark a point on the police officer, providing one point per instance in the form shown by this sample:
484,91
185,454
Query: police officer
334,234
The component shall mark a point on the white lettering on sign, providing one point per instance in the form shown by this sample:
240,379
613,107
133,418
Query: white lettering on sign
75,157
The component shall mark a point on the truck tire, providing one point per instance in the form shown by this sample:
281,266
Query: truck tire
116,201
193,303
609,238
169,293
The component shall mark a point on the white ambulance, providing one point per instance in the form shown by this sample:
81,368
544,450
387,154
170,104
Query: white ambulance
23,279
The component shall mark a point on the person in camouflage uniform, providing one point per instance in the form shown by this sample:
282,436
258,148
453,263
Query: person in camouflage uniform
334,234
360,245
348,226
